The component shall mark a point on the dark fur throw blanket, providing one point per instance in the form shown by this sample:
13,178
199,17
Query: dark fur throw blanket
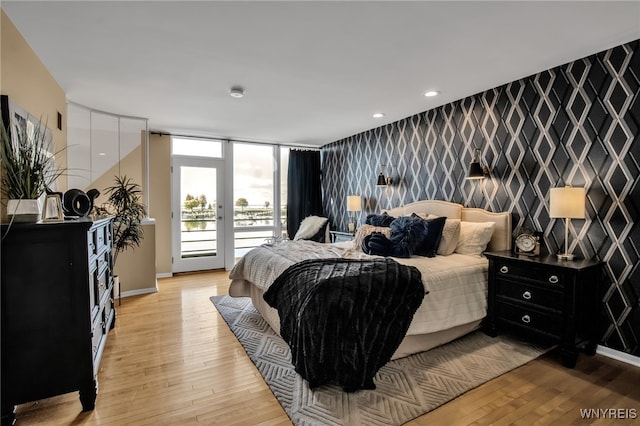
344,318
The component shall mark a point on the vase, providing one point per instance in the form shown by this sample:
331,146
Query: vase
23,211
116,289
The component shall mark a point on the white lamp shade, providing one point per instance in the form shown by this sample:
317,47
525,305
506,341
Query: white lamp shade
353,203
567,202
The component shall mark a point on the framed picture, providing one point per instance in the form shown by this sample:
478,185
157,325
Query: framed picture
14,116
52,210
16,119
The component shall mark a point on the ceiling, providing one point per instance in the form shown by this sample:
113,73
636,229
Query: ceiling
313,72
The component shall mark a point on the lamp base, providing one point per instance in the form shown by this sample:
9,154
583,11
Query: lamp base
565,256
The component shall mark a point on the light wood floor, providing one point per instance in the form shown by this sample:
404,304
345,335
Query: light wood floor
172,360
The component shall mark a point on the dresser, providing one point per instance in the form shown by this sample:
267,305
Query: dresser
546,299
56,309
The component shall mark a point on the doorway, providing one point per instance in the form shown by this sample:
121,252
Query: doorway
197,214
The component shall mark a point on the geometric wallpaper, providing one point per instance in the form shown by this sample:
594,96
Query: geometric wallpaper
577,124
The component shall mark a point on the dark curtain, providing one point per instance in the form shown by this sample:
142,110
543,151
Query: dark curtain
304,192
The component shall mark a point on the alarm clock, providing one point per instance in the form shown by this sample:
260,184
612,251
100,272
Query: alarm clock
527,243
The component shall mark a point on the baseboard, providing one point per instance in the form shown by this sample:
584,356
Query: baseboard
618,355
164,275
139,291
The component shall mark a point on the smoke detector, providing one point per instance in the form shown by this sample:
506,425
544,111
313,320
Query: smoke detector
236,92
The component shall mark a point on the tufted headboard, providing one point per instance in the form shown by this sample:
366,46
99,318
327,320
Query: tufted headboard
501,239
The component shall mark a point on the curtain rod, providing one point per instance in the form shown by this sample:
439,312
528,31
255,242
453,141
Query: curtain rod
153,132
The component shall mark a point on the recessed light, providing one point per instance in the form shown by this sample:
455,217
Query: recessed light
378,115
102,154
430,93
236,92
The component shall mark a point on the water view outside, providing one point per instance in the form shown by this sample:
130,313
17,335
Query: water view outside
199,226
253,192
198,212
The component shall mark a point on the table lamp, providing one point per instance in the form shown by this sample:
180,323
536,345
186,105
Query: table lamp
568,203
353,205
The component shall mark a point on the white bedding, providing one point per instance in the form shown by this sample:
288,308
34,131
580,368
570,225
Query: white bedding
457,284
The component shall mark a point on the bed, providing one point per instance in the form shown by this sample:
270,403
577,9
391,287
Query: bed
456,283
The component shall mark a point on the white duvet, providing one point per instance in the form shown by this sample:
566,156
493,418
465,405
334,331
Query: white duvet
457,284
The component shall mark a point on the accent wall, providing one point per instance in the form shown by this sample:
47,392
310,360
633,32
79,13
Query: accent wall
577,124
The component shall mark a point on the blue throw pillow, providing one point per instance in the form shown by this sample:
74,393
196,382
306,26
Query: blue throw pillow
377,243
379,219
429,246
407,234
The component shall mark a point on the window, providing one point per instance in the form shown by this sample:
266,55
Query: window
259,194
253,195
284,163
257,201
196,147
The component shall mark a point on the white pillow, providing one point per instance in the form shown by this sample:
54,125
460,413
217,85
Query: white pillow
450,237
310,227
365,230
474,237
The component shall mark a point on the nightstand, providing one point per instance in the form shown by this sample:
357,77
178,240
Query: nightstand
545,299
339,236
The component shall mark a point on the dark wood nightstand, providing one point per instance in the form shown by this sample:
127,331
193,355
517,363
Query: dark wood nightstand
545,299
340,236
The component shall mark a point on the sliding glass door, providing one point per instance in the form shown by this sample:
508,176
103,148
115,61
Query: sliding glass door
227,197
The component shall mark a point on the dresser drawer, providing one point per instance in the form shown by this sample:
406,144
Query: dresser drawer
92,243
524,272
103,261
108,311
94,301
529,319
98,332
542,296
103,237
99,283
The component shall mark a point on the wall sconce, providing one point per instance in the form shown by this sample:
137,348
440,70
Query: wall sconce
567,203
382,179
476,170
354,203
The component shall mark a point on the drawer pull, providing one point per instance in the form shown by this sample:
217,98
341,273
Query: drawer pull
526,295
526,319
553,279
504,269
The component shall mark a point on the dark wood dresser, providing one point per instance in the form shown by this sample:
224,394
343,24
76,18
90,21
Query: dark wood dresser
56,309
546,299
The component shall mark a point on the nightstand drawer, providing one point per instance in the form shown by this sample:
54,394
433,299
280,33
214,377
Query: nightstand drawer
544,297
340,237
530,319
528,272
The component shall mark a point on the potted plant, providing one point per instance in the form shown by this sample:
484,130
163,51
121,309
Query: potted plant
128,212
29,169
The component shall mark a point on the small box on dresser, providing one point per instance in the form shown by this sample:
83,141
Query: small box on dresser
546,299
57,309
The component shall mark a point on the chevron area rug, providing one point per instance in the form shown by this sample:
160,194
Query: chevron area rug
406,388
